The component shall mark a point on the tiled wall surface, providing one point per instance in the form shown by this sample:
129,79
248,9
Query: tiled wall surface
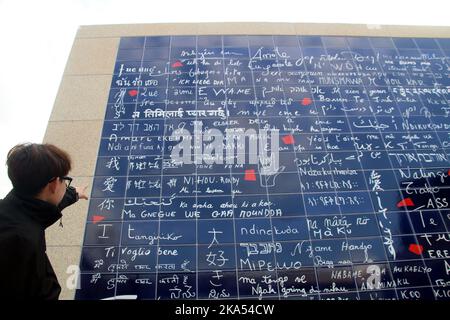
77,118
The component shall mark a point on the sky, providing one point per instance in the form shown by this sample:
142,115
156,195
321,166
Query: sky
36,38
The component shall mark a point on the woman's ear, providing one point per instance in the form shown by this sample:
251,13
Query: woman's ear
53,185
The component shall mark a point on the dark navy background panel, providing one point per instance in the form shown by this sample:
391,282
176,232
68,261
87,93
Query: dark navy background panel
358,207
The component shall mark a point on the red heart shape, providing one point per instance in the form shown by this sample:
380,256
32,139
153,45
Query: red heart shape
306,101
250,175
416,248
289,139
177,64
405,203
97,219
132,93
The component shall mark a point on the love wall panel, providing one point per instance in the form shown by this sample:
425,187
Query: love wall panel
356,209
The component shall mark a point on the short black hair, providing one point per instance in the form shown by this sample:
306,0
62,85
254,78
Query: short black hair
31,166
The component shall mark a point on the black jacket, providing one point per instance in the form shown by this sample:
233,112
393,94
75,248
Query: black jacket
25,270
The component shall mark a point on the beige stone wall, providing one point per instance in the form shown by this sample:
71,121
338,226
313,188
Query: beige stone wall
77,117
